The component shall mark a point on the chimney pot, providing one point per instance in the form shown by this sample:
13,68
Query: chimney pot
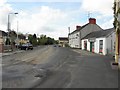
78,27
92,20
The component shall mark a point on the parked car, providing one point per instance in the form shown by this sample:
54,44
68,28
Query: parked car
26,46
18,46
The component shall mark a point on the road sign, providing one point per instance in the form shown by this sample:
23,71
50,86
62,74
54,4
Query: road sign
92,39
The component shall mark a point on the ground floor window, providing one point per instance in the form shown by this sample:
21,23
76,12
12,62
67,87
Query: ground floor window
91,46
100,46
85,45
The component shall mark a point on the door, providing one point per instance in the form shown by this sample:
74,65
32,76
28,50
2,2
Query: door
85,45
101,46
90,46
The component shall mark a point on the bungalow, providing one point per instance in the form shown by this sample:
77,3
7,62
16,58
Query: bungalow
81,31
102,42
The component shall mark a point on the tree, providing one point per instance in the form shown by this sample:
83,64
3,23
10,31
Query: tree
21,36
13,36
33,39
7,41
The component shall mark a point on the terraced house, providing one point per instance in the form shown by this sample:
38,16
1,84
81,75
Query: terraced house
75,37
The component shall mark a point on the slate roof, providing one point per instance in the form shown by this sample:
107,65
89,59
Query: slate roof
79,29
2,33
98,34
63,38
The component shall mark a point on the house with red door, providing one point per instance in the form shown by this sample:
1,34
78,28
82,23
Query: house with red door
102,42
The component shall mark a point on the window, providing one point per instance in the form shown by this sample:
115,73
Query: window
100,46
77,34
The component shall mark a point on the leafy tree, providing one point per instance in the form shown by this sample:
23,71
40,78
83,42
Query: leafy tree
33,39
21,36
13,36
30,38
7,41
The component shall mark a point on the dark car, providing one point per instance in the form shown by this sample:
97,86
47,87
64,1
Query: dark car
26,46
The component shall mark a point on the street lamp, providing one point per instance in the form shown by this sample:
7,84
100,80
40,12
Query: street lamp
9,20
9,23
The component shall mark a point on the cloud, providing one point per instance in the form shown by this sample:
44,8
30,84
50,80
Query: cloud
45,20
4,10
2,2
54,22
103,7
44,1
107,24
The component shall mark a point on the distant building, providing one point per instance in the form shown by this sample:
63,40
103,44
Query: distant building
63,41
3,37
102,42
81,31
22,39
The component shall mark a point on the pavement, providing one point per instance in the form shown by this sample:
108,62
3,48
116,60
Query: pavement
11,52
15,51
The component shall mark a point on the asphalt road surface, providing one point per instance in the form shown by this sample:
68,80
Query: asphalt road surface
57,67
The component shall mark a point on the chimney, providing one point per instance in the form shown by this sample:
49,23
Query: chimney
92,21
78,27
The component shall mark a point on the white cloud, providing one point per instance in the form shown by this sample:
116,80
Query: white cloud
107,24
2,2
54,22
100,6
46,20
4,10
44,0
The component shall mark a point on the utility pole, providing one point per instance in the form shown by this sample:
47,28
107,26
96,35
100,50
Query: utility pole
9,26
17,35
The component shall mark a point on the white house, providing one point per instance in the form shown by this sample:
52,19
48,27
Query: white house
63,41
102,42
74,38
81,31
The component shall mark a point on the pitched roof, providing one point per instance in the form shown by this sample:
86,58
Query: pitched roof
101,33
63,38
79,29
3,33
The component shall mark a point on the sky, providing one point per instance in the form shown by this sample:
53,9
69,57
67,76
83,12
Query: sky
53,17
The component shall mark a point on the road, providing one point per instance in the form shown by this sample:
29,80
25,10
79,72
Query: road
57,67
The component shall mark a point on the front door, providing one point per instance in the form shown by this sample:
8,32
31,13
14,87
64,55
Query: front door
90,46
85,45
